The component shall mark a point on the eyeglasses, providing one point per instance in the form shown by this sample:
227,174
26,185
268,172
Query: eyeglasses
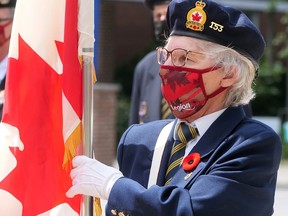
179,56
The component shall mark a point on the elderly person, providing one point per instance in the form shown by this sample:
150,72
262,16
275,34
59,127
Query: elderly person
212,159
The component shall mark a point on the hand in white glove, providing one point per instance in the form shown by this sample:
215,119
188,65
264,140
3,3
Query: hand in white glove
92,178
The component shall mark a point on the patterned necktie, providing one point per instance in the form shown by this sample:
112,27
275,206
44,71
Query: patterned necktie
165,109
184,134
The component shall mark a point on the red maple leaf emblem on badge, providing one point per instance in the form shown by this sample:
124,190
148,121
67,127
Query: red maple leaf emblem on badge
196,17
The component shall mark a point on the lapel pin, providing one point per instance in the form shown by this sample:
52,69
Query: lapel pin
190,163
187,176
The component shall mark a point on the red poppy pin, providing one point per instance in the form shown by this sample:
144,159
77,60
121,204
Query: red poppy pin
191,161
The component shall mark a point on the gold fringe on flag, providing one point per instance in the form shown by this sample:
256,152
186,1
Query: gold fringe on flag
80,58
94,75
71,145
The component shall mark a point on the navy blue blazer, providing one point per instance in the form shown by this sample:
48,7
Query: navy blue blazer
236,175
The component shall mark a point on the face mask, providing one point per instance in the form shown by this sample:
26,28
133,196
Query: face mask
160,30
184,90
3,37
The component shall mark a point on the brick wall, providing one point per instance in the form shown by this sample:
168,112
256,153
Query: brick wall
104,121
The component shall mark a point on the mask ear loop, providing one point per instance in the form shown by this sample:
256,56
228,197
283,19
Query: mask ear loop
221,89
203,87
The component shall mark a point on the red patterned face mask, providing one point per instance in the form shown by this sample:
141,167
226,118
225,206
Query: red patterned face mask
3,37
184,90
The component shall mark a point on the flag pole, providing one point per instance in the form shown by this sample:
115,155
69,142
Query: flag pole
86,51
87,205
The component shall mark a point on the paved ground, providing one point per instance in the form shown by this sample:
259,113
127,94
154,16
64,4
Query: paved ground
281,197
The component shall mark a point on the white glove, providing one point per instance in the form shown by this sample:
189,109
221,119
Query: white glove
92,178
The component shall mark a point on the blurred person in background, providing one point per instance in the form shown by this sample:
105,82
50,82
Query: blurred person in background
147,102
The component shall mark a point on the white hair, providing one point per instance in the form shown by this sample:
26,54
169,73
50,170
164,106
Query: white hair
241,92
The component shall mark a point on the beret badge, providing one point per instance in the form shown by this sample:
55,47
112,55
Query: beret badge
196,17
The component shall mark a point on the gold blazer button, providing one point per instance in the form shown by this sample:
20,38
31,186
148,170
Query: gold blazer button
114,212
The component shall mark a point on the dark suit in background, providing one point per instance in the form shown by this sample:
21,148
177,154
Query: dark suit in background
146,97
146,91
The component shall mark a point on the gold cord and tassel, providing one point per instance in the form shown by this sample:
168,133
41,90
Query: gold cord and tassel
97,207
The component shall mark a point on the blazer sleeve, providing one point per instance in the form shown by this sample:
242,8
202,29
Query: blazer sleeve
238,178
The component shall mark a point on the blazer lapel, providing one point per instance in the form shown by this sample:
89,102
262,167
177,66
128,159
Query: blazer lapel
217,132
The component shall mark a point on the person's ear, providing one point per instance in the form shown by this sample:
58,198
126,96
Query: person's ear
230,78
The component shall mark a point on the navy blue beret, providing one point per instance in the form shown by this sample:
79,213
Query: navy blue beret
150,3
7,3
217,23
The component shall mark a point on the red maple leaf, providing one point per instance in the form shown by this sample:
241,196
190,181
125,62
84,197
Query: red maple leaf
196,17
174,78
33,105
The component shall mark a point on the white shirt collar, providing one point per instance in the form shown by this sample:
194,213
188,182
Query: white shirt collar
202,123
206,121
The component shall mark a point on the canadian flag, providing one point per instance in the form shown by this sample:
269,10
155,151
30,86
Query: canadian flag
41,128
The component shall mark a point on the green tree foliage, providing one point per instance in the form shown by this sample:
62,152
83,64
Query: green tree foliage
271,87
271,84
